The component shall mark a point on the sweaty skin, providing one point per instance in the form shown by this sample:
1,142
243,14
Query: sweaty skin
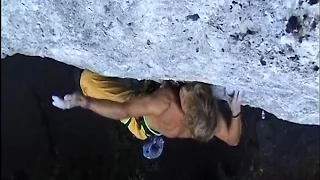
163,109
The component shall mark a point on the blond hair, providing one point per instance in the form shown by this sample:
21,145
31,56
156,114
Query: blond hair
202,110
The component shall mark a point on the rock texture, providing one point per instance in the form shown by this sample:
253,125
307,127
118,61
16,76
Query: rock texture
269,49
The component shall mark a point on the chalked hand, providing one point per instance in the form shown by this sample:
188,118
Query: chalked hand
234,100
69,101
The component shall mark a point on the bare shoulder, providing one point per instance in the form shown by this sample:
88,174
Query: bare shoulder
161,97
167,91
147,105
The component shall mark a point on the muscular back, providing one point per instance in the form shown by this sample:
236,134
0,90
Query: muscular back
170,121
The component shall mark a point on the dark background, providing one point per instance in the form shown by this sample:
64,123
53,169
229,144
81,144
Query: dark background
39,141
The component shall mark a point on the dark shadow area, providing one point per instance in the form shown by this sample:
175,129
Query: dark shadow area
39,141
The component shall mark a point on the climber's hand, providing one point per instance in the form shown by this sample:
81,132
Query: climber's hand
69,101
234,100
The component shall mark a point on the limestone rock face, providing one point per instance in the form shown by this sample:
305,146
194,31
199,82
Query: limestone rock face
268,49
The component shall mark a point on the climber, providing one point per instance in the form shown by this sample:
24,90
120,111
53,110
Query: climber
187,112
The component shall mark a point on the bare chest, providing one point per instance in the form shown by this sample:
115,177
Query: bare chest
169,124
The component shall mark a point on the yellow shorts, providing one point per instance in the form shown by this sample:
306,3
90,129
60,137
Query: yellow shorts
101,87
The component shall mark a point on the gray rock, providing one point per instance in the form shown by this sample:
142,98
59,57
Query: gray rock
268,49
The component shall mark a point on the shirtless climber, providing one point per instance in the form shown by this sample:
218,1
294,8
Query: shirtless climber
187,112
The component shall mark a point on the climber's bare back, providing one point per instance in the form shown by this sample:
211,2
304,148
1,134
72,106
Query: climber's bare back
166,115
